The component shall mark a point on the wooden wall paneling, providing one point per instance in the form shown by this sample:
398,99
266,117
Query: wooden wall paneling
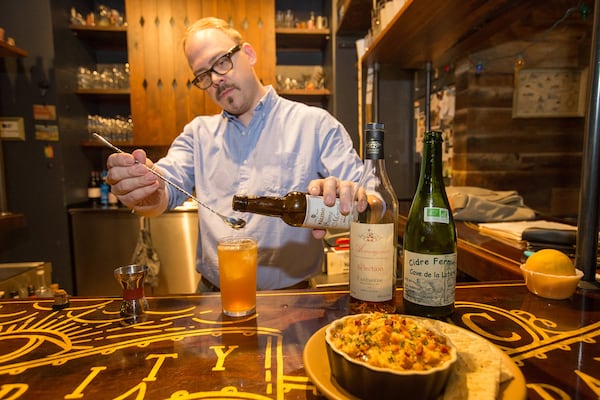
254,20
159,107
219,9
538,157
209,8
166,83
229,12
251,32
199,103
196,99
135,46
264,38
152,69
145,104
163,99
237,12
183,91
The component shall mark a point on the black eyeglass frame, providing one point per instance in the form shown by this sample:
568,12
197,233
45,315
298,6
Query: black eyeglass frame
208,72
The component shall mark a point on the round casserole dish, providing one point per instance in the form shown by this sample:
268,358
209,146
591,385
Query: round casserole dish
364,373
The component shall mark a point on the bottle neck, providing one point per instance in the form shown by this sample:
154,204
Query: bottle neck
376,166
374,173
431,171
272,206
374,154
374,148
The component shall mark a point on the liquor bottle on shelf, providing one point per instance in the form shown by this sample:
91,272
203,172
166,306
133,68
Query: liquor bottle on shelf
429,265
104,189
93,191
374,236
295,209
113,200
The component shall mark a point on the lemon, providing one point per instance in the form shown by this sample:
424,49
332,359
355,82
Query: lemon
550,261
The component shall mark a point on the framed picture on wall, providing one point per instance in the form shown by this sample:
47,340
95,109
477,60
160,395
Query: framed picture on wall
549,93
12,128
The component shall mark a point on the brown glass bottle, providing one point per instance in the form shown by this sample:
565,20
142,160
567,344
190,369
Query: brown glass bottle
295,209
374,236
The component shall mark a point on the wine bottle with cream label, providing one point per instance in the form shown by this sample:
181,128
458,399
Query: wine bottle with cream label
374,236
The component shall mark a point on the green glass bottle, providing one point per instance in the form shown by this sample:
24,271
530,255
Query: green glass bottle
429,253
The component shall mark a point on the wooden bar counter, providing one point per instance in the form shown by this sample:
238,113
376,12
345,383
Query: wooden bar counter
186,348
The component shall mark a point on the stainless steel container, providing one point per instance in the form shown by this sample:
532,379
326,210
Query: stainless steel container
103,239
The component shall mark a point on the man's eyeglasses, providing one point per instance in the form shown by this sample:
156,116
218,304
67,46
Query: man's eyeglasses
222,66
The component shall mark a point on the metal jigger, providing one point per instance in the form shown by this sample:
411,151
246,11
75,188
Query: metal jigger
134,304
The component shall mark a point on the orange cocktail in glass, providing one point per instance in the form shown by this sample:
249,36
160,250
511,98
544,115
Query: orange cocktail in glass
237,270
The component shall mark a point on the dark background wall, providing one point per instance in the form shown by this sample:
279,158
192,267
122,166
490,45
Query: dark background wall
36,182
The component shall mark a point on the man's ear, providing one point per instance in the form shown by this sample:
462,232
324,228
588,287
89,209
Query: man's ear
250,53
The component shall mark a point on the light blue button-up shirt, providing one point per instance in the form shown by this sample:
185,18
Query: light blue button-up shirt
286,145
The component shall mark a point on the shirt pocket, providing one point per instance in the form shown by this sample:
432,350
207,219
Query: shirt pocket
282,172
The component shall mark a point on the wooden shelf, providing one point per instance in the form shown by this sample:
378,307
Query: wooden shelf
442,30
354,17
302,31
6,50
98,28
114,37
305,92
10,221
113,94
301,52
295,38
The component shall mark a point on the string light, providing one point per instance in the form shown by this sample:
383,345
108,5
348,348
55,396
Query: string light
519,58
479,68
519,62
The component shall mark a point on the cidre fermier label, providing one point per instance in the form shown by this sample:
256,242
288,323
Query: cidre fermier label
429,279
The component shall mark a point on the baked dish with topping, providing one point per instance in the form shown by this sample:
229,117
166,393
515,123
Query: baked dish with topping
386,355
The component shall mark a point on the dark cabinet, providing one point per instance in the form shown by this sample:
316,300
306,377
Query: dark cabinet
304,51
103,82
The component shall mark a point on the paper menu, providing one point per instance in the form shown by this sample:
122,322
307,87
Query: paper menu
514,230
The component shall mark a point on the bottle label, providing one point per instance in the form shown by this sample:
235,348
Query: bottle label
436,214
112,198
94,193
318,215
372,269
429,279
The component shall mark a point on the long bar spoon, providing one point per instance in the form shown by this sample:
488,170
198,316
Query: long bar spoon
235,223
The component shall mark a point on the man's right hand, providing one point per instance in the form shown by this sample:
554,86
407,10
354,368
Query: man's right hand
135,185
